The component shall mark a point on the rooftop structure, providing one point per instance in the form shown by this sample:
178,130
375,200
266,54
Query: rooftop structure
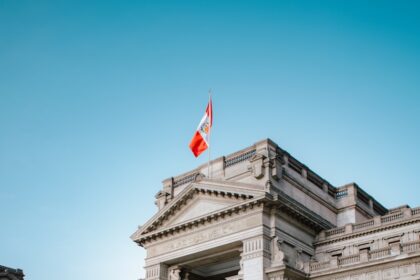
7,273
262,214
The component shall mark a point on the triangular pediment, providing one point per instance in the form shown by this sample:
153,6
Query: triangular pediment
197,200
200,204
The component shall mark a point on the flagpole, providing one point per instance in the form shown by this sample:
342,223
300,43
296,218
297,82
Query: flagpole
210,131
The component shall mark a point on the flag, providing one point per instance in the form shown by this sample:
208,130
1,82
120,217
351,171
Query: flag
201,140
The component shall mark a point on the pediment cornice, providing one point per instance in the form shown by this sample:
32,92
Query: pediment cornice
238,193
142,238
243,197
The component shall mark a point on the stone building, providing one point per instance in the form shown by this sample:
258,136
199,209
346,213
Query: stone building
7,273
262,214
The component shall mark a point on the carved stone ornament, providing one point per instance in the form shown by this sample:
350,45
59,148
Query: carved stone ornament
268,186
257,166
161,199
277,255
276,169
241,264
299,261
199,177
174,273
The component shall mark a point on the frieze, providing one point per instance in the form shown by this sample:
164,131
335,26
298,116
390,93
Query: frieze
220,230
205,219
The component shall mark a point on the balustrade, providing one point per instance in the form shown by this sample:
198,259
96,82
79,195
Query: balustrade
415,211
366,256
407,247
349,259
335,231
380,253
364,225
393,217
411,246
341,194
320,265
371,223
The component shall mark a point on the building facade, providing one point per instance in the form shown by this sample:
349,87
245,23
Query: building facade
263,215
7,273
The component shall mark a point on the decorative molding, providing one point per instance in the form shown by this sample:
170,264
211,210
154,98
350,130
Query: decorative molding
200,221
154,229
157,220
195,236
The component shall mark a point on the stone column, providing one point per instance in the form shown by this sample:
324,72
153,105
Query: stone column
157,272
255,258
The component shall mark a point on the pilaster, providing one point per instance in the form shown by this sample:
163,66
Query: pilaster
256,258
157,272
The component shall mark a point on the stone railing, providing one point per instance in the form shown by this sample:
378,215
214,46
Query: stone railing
415,211
375,222
229,161
380,253
185,179
363,225
392,217
411,246
315,266
366,256
341,194
335,231
349,259
239,158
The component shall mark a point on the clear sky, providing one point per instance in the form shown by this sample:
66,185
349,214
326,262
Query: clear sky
99,99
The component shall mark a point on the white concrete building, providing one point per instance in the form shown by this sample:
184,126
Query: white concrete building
265,215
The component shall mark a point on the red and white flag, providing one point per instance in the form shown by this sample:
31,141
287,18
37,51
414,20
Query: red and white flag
201,140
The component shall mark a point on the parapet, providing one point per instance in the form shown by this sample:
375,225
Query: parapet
265,165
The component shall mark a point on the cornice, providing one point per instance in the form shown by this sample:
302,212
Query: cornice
223,189
282,201
362,207
201,220
289,178
297,209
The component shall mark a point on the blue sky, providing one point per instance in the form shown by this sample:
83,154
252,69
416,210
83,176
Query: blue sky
99,99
